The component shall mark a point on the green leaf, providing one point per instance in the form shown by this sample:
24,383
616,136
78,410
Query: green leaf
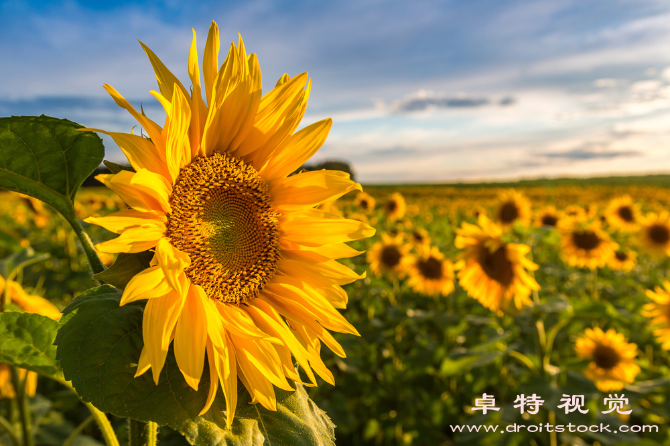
116,168
10,265
27,342
125,267
99,346
47,158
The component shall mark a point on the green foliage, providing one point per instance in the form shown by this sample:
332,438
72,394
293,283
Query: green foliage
47,158
27,342
125,267
99,346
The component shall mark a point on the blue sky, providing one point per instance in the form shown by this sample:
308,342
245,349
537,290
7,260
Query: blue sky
419,91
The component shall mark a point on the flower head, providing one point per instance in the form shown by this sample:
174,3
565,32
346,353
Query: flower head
244,266
430,273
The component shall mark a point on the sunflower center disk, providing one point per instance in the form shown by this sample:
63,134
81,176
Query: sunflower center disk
222,218
431,268
659,234
626,214
621,256
605,357
496,265
586,240
549,220
509,212
390,256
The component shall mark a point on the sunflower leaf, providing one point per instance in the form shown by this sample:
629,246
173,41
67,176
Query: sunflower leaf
125,267
47,158
27,342
99,346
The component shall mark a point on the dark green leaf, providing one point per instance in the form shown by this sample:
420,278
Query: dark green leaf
27,342
125,267
47,158
19,260
116,168
99,347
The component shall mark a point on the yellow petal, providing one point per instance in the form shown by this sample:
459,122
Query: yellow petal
239,323
310,189
143,364
257,384
160,318
177,146
299,148
198,107
133,240
315,227
166,80
190,341
173,262
261,357
141,153
213,378
323,274
32,303
147,284
118,222
142,190
210,61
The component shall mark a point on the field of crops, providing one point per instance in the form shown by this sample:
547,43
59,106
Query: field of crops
534,301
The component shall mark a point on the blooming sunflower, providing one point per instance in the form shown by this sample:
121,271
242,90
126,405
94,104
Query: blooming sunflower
623,213
514,207
586,245
430,273
492,271
655,233
623,260
419,238
244,266
612,358
547,217
29,304
389,256
395,206
365,202
659,312
574,212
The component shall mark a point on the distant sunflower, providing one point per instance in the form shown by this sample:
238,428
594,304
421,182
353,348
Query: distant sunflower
29,304
365,202
655,233
574,212
623,260
492,271
613,361
389,256
659,312
431,274
586,245
419,238
245,268
395,206
547,217
514,207
623,213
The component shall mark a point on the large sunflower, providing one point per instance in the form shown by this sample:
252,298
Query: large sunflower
586,245
612,358
659,312
492,271
655,233
623,213
244,265
514,207
389,256
430,273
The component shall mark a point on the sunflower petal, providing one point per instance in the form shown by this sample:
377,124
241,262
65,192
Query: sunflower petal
190,341
310,189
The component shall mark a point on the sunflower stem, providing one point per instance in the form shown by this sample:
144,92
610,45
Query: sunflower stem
20,390
594,285
78,430
142,434
87,244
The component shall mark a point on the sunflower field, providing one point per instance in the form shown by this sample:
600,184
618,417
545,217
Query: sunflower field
218,292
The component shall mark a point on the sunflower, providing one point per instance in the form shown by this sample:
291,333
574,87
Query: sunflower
623,260
586,245
29,304
514,207
547,217
244,267
575,213
389,256
612,358
659,312
365,202
492,271
655,233
430,273
395,206
622,213
419,238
